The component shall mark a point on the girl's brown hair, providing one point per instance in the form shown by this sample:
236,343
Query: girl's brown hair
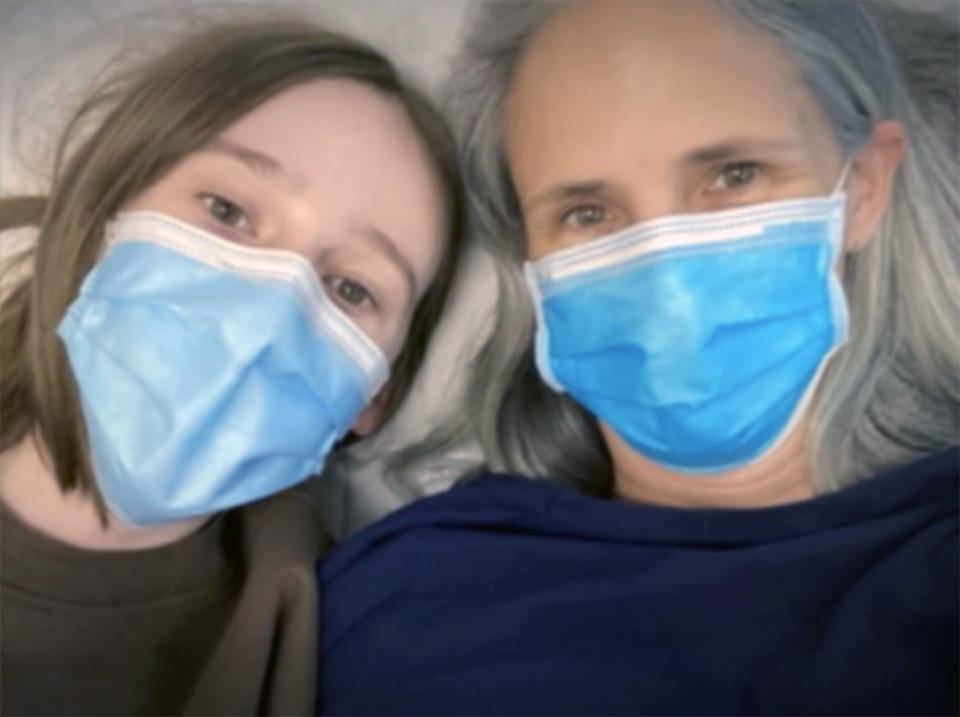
158,113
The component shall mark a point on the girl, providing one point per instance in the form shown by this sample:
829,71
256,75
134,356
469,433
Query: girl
236,269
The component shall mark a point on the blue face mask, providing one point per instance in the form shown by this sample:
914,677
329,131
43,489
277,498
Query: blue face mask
210,374
698,338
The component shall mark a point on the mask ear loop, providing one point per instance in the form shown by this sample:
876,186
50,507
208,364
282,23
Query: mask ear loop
839,187
840,312
839,196
838,300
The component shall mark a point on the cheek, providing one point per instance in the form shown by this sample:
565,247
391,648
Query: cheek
142,200
540,233
840,268
432,241
537,245
158,197
393,334
395,338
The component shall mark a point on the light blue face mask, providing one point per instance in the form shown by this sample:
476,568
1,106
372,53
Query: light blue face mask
698,338
210,374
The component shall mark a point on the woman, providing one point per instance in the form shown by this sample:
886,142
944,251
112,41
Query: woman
739,315
236,269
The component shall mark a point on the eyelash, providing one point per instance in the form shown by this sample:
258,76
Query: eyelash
568,216
210,200
331,284
754,170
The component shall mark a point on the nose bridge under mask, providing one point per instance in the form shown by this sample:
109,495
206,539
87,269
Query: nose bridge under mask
305,235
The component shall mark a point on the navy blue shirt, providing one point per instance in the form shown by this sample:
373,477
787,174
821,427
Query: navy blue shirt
513,596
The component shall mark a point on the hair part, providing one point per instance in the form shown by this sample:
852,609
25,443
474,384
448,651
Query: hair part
154,115
893,393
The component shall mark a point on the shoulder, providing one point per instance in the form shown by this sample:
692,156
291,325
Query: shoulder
265,660
280,539
486,498
932,479
491,507
487,501
288,525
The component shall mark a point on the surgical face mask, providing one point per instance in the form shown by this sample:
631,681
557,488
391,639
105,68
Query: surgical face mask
698,338
210,374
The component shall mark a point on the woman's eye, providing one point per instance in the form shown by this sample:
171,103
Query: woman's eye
226,212
584,217
733,176
349,291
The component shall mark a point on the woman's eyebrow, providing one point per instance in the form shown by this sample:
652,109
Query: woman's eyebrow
256,161
564,191
738,148
707,154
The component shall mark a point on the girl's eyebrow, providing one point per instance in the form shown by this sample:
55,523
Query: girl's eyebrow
256,161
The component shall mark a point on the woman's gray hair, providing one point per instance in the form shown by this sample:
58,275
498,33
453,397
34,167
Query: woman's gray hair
893,394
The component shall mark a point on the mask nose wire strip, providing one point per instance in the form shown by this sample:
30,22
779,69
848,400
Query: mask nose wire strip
673,232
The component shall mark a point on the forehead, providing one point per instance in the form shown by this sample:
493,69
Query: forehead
353,153
649,75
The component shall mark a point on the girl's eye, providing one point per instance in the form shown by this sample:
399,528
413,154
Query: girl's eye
227,212
349,291
734,176
585,216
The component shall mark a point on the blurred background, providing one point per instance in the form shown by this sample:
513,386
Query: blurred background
50,51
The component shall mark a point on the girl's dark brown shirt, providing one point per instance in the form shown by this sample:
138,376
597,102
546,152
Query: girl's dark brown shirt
224,621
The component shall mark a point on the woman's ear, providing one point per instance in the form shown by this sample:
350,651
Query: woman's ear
372,416
871,182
